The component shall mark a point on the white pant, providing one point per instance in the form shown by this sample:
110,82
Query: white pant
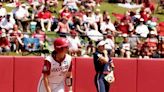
55,87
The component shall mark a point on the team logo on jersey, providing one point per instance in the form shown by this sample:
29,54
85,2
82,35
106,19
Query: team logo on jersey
65,62
60,68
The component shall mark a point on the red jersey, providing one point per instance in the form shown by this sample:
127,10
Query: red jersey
44,15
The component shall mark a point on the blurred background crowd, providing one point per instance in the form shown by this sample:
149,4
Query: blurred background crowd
133,34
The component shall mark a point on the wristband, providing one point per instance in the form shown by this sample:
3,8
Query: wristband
112,68
68,81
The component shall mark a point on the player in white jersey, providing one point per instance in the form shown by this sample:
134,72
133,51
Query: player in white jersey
56,68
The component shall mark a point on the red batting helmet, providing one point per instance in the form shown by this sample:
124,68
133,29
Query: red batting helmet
60,43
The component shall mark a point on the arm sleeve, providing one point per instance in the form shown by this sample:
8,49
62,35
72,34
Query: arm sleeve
70,68
46,67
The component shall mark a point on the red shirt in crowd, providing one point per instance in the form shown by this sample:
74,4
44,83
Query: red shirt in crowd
4,42
152,42
45,15
66,14
124,28
145,16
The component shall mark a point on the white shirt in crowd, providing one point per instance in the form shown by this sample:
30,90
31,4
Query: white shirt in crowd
105,26
98,17
7,25
109,44
94,35
142,30
89,19
126,46
74,43
3,11
21,13
70,2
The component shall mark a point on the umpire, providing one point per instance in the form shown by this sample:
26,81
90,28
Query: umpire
103,66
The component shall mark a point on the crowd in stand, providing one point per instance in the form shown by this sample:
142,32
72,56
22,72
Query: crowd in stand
83,24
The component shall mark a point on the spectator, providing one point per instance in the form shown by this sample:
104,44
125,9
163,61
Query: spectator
94,34
16,39
98,18
78,25
107,25
152,25
4,43
40,35
152,43
149,6
63,27
161,47
3,11
16,9
125,47
90,4
109,46
34,11
75,44
65,12
80,13
31,44
7,23
89,19
131,25
134,41
142,30
72,4
53,3
21,15
45,17
145,14
90,48
105,15
123,27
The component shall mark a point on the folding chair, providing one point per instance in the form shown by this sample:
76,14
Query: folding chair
31,46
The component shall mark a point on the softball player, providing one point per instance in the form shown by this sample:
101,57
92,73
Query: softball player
103,66
56,68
